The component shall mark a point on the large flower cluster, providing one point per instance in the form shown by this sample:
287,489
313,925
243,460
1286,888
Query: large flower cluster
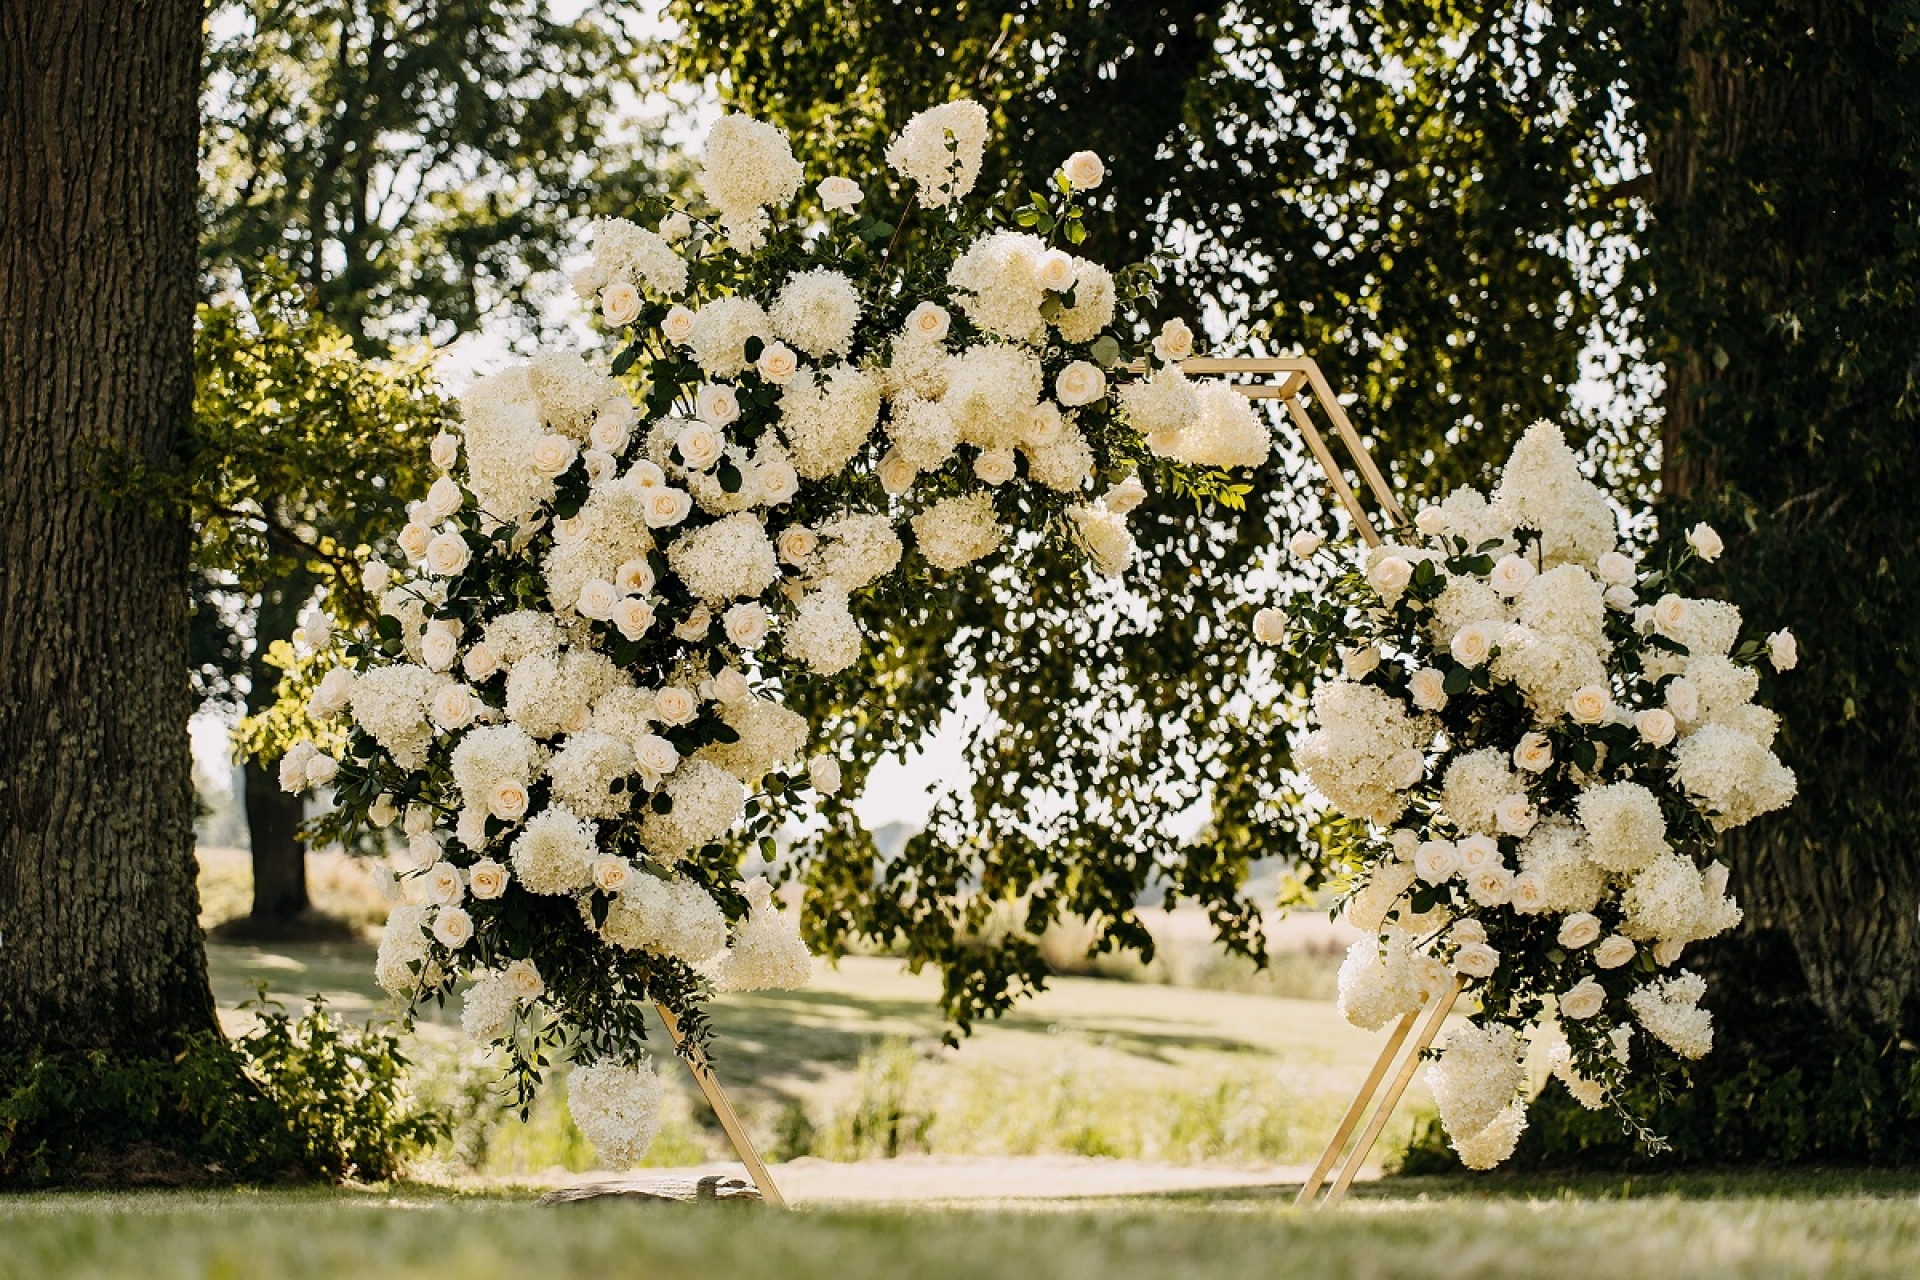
572,702
1540,739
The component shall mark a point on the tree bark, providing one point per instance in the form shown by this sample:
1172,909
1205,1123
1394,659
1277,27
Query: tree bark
100,945
273,816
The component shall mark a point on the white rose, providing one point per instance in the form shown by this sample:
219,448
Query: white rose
634,577
1428,689
929,320
1667,952
1081,382
444,498
613,423
730,686
382,811
1390,576
696,624
581,720
1468,931
376,576
675,227
796,543
438,648
632,617
1581,1001
443,883
507,799
655,756
1683,699
1435,861
445,450
675,705
336,690
1515,814
448,554
1579,930
600,465
824,773
1656,726
597,599
321,769
1084,171
1510,575
1591,704
1472,644
1405,844
896,473
1431,521
677,327
1359,661
414,539
570,530
1270,626
1122,498
1406,768
839,194
1174,342
1477,852
778,482
552,454
1783,650
1616,569
777,363
610,875
1614,951
1705,542
1670,615
587,281
453,707
1056,270
1619,598
1529,894
481,662
452,927
667,506
620,303
486,879
1476,960
1305,544
700,445
525,980
1490,885
994,466
746,625
717,406
1043,424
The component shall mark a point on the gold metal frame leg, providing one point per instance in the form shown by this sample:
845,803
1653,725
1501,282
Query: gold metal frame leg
729,1119
1435,1018
1338,1142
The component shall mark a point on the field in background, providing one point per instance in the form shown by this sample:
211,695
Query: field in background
852,1067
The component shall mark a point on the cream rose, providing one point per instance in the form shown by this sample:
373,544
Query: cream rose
896,473
438,648
447,554
525,980
655,756
1783,651
1477,852
1476,960
839,194
445,450
414,539
1616,569
321,769
1270,626
693,628
1705,542
552,454
1656,726
634,577
1305,544
610,874
1670,615
454,707
1431,521
620,303
632,617
570,529
1683,699
486,879
730,687
507,799
717,406
1620,599
1436,861
677,327
1529,894
334,693
382,811
824,773
597,599
1613,951
1582,1000
444,497
675,705
1579,930
452,928
375,577
1359,661
1490,886
1472,645
675,227
600,465
746,625
1406,768
667,506
699,444
1174,341
994,466
1405,844
1081,382
778,482
1515,814
929,320
1510,575
777,363
443,883
1056,271
1590,705
1428,689
1667,952
1390,576
1125,496
796,543
1084,171
481,662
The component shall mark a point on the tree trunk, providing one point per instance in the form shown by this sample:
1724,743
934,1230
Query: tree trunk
273,816
99,940
1781,196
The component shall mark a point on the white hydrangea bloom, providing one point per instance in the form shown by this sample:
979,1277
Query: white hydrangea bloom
730,559
997,283
669,917
1548,669
583,771
555,852
1473,788
1105,536
1734,778
402,967
499,422
720,332
748,166
1094,300
513,636
767,953
1625,828
1378,981
826,417
490,755
1669,1009
923,431
391,703
770,737
569,392
1495,1143
1556,851
854,550
992,392
941,150
956,531
1351,757
1542,489
488,1009
624,250
818,312
1567,601
822,633
707,801
617,1109
1063,463
1476,1076
1226,432
1669,900
1161,407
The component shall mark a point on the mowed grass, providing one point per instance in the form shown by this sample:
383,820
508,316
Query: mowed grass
1836,1225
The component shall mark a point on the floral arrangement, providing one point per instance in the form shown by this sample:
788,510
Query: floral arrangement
1535,741
572,703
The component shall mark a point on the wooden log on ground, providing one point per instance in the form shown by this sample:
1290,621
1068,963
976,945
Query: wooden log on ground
658,1187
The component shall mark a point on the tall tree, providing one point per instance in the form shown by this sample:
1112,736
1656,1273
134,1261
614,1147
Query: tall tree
99,942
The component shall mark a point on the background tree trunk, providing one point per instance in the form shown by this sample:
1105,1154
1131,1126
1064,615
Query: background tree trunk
99,940
273,816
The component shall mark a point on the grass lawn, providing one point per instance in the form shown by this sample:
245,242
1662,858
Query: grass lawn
1851,1225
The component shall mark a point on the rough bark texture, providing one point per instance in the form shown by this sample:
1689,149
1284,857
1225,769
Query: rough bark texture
99,941
1781,199
273,816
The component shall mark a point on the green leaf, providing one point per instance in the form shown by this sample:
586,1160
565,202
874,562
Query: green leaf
730,477
1106,351
624,361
